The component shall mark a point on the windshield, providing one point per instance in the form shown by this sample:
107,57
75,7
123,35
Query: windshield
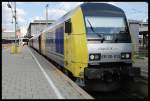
107,28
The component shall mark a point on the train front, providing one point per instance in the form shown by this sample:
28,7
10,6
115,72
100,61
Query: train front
109,47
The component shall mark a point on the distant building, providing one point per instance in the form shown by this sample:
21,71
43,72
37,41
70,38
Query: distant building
139,33
37,27
9,36
18,33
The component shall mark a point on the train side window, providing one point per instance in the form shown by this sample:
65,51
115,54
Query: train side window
68,26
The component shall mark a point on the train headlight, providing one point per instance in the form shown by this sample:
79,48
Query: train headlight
91,57
125,55
122,56
97,57
94,56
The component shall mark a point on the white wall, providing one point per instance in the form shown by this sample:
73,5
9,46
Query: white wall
8,35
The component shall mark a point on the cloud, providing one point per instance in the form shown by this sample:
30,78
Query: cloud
60,9
36,18
23,29
20,3
7,16
55,14
6,13
20,15
69,5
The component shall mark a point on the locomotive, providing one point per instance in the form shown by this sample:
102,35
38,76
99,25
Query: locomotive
92,45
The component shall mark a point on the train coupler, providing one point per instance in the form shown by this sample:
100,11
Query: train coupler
107,75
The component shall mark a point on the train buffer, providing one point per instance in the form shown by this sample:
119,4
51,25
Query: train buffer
28,75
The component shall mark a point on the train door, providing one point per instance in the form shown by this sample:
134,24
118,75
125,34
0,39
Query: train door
43,43
67,46
40,43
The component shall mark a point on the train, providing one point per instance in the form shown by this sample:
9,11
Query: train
92,45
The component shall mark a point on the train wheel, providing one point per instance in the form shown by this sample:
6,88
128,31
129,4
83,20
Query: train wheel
80,82
65,71
69,74
72,77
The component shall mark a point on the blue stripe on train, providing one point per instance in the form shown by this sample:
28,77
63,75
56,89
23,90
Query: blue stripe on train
59,40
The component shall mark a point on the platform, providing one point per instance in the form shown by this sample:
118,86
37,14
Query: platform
28,75
143,64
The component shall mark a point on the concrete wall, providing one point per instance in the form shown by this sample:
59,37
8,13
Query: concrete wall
134,30
37,28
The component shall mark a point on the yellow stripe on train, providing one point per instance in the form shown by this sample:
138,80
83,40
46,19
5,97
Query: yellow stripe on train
75,45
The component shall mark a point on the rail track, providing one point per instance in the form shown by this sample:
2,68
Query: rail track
138,89
119,94
144,73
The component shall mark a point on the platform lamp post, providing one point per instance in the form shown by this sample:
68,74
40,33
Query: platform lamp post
14,16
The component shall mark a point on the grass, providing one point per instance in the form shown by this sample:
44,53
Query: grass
139,57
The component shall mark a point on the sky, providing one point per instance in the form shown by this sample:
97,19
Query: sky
29,11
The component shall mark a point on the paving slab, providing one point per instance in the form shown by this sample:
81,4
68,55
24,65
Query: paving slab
23,78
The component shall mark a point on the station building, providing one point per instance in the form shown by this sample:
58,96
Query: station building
37,26
9,36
